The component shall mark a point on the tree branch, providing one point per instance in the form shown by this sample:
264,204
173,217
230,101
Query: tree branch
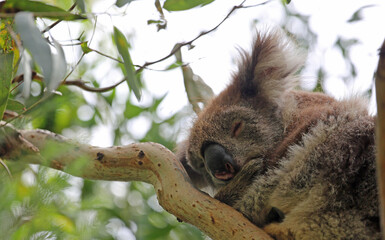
147,162
79,83
380,133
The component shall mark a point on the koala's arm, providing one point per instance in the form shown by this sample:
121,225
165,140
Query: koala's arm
238,186
249,198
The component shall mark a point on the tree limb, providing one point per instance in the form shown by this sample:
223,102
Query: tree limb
147,162
380,134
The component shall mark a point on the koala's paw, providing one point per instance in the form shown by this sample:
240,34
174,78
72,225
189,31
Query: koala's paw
237,187
279,232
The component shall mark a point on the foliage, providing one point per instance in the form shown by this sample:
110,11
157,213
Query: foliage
179,5
40,203
36,91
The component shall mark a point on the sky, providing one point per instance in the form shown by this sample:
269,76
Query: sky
214,55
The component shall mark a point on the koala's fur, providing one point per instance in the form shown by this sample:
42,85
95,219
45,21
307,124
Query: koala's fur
304,163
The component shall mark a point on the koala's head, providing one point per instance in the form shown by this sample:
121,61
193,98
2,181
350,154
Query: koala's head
244,122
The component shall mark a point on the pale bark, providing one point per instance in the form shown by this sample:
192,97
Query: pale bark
147,162
380,94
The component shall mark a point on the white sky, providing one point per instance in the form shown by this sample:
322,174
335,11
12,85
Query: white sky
214,54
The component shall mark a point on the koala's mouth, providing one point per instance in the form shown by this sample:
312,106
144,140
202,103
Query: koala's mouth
219,162
226,175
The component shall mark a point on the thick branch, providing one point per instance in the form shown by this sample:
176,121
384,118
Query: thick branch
147,162
380,94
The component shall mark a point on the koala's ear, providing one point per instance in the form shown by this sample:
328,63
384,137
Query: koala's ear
269,71
197,179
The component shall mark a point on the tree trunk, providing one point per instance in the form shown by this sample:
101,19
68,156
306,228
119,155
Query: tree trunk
380,132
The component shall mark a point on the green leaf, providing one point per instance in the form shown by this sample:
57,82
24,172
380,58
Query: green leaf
180,5
34,42
59,67
197,90
15,105
81,5
6,61
357,15
156,103
26,63
53,66
121,3
122,45
85,48
132,111
6,41
40,9
174,65
154,22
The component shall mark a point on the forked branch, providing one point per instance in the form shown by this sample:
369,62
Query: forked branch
147,162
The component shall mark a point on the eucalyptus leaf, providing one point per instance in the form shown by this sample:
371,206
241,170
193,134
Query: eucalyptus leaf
197,90
121,3
122,45
59,67
85,48
81,5
357,15
6,60
154,21
26,63
180,5
41,9
15,105
53,66
34,42
174,65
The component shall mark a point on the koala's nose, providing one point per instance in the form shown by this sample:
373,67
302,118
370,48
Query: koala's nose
220,163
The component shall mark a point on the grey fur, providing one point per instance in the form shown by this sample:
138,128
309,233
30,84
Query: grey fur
307,161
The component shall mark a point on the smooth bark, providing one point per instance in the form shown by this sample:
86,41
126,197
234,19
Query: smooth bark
380,133
147,162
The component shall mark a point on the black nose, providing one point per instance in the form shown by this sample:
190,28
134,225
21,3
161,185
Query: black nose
219,162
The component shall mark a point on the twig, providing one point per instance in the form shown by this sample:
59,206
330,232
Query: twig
82,85
6,168
79,83
81,57
105,55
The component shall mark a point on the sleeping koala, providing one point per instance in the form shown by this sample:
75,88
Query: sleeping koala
299,164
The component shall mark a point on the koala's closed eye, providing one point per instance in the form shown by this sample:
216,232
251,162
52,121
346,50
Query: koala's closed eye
237,128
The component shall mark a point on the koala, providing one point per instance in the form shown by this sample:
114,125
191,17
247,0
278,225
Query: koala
300,165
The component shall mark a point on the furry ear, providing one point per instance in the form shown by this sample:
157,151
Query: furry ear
269,70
